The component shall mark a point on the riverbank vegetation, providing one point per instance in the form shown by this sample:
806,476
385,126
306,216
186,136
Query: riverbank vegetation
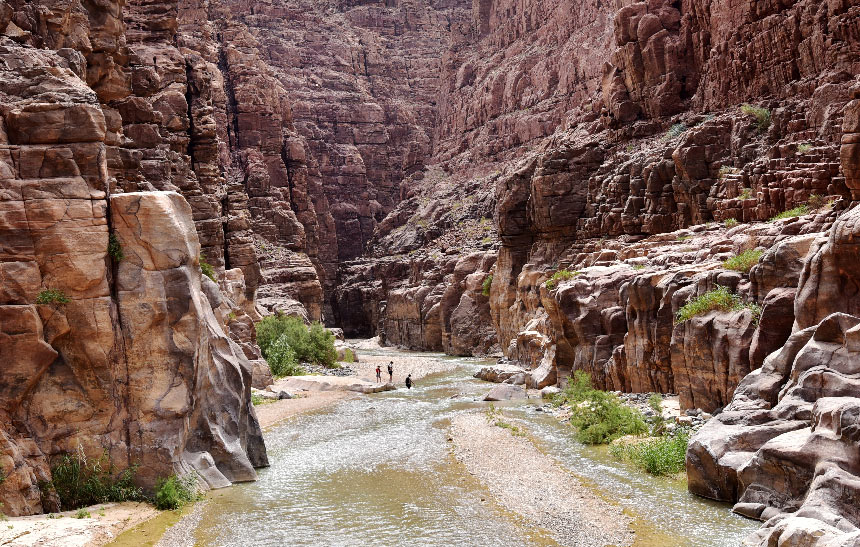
286,342
651,443
79,482
599,417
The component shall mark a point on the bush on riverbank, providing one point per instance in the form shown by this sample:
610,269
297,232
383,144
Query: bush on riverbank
657,456
599,417
286,341
79,481
174,492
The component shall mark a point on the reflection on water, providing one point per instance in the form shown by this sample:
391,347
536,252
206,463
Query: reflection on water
379,470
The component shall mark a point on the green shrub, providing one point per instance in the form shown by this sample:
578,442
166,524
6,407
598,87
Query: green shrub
657,456
561,275
599,417
82,514
743,262
655,401
52,296
207,268
675,131
638,267
762,115
684,237
717,299
256,400
174,492
348,356
746,193
312,344
803,148
115,248
282,358
485,286
731,222
79,482
792,213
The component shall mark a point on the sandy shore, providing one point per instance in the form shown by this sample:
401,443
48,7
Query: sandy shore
270,414
533,485
106,522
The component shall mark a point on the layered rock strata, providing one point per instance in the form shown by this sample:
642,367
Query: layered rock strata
784,448
111,343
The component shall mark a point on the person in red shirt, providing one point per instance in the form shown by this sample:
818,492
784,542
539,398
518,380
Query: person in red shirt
378,374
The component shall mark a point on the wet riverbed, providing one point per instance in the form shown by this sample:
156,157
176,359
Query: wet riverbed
379,469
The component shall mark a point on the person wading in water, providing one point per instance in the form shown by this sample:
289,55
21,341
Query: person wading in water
409,382
378,373
391,371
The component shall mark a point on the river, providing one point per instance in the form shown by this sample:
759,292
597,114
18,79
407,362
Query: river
379,470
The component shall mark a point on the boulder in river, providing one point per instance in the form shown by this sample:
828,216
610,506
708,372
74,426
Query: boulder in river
506,392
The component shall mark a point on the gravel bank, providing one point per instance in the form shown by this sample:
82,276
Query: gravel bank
529,483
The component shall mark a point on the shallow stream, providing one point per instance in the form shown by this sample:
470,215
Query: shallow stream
379,470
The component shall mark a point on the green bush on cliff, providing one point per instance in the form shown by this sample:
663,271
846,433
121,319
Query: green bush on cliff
173,492
716,299
312,344
485,286
657,456
52,296
761,115
115,248
792,213
744,261
599,417
207,269
80,481
561,275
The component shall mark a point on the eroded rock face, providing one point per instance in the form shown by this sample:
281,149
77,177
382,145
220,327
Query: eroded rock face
82,378
784,447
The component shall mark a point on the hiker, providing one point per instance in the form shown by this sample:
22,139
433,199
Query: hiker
409,382
391,371
378,374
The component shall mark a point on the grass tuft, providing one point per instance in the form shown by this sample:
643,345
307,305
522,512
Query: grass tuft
761,115
743,262
115,248
792,213
207,269
716,299
80,481
561,275
52,296
675,131
731,222
485,286
658,456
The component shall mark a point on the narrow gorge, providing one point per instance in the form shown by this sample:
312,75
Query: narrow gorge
544,188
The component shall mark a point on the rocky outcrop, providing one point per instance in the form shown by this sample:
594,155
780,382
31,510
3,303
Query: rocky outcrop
783,448
117,352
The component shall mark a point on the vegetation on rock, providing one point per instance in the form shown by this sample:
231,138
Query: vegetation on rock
744,261
485,286
207,268
561,275
792,213
761,115
115,248
52,296
719,298
731,222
